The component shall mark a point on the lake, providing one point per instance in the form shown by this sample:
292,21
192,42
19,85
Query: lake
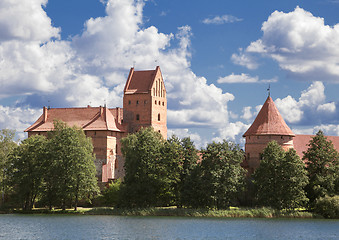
118,227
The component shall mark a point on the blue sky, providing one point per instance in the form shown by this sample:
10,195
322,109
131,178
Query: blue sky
217,58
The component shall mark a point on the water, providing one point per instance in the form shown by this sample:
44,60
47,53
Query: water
117,227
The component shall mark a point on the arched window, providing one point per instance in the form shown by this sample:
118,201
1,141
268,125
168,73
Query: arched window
137,117
159,117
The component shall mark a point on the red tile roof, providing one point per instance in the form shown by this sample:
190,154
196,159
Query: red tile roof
300,143
269,122
90,118
140,81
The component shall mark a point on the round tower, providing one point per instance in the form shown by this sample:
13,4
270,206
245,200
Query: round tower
268,126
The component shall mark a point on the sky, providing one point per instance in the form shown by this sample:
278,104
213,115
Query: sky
217,57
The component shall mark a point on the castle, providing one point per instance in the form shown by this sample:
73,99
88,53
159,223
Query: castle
268,126
144,105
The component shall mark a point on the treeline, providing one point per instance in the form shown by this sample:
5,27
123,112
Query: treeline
174,172
59,170
56,171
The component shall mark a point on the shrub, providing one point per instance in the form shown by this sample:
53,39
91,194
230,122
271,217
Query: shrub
327,206
112,193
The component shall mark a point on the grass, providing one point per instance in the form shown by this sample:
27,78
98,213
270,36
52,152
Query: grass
233,212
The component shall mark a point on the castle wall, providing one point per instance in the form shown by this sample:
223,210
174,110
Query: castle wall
255,146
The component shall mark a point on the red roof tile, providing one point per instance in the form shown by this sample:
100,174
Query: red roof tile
300,143
90,118
140,81
269,122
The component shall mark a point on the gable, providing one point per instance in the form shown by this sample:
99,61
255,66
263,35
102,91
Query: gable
142,81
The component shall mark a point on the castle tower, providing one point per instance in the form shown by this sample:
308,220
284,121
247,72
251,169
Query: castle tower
145,102
268,126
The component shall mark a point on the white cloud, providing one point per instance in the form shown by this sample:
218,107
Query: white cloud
311,106
247,114
25,20
221,19
91,68
301,44
18,118
244,78
185,132
327,107
244,59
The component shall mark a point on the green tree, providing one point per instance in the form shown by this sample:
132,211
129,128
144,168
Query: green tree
7,144
70,171
142,183
152,169
27,167
170,167
189,161
280,179
217,182
322,164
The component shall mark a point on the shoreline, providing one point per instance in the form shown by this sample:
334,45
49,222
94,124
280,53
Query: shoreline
175,212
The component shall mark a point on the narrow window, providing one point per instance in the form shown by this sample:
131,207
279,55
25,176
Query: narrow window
163,103
137,102
159,117
155,102
137,117
153,91
116,164
129,102
145,102
159,102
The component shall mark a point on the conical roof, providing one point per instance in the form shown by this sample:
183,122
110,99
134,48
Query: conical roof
269,122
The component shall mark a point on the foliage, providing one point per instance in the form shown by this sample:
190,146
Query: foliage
27,167
280,178
70,170
189,160
217,181
112,193
327,206
322,164
7,144
142,182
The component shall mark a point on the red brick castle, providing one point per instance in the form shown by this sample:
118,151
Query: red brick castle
144,105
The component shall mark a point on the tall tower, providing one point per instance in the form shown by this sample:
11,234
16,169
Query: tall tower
145,102
268,126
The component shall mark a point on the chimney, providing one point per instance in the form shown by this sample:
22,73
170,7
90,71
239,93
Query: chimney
118,115
45,110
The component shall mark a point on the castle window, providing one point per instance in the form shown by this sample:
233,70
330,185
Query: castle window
155,102
282,137
137,102
137,117
145,102
116,148
153,91
129,102
116,164
158,131
159,117
159,102
163,103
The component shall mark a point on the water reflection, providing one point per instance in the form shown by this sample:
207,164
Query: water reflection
116,227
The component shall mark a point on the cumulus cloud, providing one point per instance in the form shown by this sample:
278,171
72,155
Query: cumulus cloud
92,67
310,107
244,78
221,19
244,59
300,43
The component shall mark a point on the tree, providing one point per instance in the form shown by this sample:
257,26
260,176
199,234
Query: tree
219,179
27,167
142,182
7,144
280,179
152,169
189,161
322,164
70,170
